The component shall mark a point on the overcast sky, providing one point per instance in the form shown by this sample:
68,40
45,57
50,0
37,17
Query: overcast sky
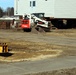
6,3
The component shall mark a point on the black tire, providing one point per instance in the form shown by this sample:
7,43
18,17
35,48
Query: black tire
27,30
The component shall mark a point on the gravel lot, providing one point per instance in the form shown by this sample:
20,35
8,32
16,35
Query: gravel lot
31,46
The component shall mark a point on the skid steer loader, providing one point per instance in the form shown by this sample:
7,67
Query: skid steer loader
31,22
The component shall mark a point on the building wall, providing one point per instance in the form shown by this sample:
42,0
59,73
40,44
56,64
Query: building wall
42,6
51,8
65,9
21,7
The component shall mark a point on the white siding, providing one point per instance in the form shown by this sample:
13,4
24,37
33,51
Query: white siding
51,8
22,7
42,6
65,8
46,7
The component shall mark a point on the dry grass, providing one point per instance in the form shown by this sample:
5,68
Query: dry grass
35,51
30,50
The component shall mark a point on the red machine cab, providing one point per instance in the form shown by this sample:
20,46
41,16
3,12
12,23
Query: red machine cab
25,24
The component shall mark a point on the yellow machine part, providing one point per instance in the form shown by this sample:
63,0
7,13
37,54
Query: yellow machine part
3,48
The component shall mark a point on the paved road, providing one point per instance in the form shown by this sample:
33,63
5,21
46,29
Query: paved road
21,68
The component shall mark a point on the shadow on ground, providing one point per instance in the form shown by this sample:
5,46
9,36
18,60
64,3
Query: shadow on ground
6,54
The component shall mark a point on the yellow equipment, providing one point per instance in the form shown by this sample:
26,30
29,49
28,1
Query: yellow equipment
3,48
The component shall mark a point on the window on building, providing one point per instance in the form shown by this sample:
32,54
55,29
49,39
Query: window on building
34,3
30,3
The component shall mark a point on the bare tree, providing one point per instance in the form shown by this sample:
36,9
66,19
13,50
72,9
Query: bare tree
10,11
1,12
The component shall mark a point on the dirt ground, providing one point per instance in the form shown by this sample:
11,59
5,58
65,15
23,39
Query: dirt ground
58,72
30,46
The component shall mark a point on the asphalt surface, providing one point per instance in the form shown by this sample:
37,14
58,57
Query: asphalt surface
26,67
